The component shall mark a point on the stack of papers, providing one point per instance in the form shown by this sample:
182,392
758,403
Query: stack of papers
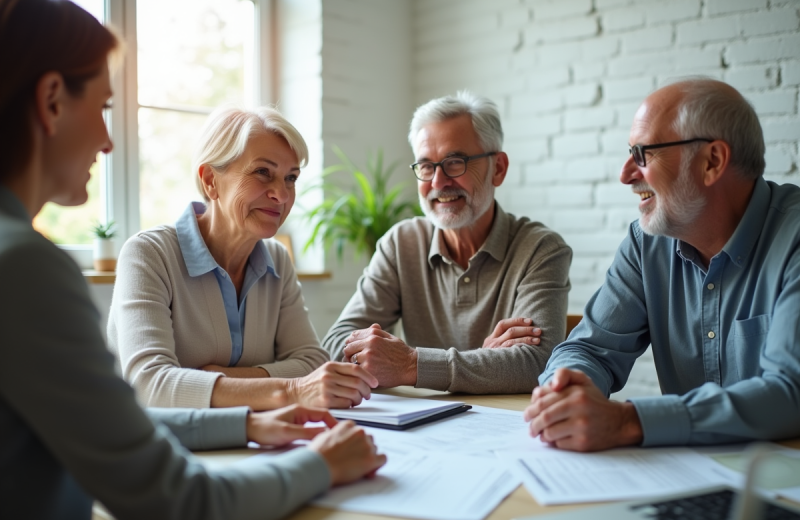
391,410
556,476
432,486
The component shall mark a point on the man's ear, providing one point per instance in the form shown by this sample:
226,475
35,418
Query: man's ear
500,168
50,98
716,157
208,179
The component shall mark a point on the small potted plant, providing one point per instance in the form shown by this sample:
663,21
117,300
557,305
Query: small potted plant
105,258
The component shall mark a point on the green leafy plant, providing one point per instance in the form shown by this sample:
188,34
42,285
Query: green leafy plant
104,231
362,217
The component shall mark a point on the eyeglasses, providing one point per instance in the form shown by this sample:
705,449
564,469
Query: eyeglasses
454,166
638,150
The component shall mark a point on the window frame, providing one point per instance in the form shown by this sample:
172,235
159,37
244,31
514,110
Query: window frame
120,187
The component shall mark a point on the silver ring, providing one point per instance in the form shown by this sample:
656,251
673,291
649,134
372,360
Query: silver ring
354,358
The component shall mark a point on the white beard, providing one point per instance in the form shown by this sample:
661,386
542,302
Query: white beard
476,205
677,211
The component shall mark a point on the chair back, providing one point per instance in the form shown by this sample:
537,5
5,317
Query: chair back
572,321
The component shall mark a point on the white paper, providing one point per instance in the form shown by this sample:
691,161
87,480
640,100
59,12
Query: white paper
391,409
427,485
478,432
556,476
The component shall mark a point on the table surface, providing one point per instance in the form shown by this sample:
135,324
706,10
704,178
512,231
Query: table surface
519,503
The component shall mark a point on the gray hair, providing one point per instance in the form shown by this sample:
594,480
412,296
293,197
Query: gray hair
713,109
227,131
482,111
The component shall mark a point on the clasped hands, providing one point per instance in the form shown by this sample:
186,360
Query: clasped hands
571,413
394,363
385,356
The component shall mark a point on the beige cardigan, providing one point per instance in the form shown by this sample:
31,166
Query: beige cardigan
164,324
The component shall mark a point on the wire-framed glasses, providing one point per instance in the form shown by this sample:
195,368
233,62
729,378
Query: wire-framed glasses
454,166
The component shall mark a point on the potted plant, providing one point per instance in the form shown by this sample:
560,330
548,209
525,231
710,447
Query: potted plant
105,258
359,218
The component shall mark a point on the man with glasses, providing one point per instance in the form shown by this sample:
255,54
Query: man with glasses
709,276
467,280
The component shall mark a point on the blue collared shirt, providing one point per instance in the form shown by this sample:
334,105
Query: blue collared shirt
726,340
199,261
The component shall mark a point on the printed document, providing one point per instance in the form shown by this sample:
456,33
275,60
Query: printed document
479,432
555,476
427,485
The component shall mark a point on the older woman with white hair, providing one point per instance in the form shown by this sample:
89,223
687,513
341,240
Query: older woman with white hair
206,313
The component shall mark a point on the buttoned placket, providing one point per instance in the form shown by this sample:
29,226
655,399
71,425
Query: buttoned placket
710,298
467,283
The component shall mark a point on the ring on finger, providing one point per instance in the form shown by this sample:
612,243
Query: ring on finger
354,358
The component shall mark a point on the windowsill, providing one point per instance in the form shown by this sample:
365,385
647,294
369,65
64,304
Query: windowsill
103,277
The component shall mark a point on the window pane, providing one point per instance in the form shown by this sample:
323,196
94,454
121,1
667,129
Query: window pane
73,226
194,55
195,52
166,141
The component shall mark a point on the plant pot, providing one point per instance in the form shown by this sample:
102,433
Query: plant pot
105,258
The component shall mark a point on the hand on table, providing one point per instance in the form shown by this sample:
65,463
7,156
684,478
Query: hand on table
349,452
385,356
285,425
513,331
571,413
333,385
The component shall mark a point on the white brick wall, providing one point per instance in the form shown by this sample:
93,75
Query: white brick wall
586,66
570,85
355,93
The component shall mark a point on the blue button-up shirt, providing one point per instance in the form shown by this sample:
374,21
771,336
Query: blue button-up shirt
726,340
199,262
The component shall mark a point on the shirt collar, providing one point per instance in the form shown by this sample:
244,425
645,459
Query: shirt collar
741,243
496,244
10,204
198,258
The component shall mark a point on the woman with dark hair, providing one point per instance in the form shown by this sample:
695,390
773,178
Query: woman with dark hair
70,429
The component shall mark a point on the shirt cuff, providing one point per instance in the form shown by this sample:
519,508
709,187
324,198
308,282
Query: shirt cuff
317,475
432,370
225,428
182,388
665,420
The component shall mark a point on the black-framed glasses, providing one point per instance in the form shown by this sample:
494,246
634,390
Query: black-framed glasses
638,150
454,166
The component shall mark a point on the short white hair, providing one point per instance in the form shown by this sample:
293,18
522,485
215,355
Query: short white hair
712,109
227,131
482,111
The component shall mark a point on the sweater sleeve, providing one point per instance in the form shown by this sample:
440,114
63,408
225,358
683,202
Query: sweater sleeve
541,296
140,331
206,429
58,378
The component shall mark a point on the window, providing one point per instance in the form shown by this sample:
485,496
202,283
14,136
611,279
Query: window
193,56
184,58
